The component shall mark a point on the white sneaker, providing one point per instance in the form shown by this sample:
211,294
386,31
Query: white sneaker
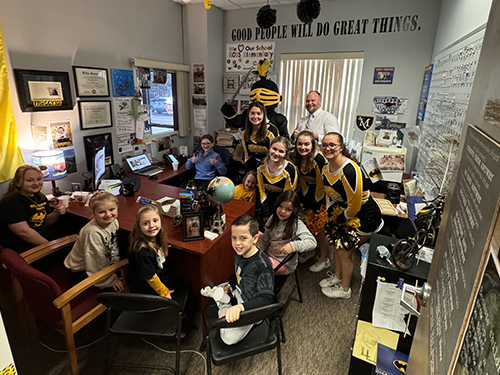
331,280
336,292
304,257
320,265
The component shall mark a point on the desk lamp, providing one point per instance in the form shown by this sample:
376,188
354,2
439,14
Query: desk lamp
53,166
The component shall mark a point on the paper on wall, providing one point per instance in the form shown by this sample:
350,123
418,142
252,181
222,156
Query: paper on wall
200,118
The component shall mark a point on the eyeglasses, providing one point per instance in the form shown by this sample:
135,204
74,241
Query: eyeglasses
206,143
331,145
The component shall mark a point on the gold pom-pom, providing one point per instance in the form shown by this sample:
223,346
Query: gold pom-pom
315,222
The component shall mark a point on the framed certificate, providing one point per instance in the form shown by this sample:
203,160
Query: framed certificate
91,82
95,114
40,90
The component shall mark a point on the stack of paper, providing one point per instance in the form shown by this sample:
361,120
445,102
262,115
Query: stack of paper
110,186
227,137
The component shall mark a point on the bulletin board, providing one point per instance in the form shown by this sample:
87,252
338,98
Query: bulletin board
449,93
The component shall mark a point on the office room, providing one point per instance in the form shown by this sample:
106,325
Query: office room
399,37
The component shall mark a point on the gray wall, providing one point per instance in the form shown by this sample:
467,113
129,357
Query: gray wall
56,34
408,51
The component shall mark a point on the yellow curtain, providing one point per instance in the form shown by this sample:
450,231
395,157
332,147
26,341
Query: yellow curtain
10,151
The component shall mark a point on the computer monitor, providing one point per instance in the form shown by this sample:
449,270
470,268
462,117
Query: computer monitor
99,167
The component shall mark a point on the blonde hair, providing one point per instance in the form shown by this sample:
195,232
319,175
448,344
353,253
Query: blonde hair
138,240
101,197
18,180
285,142
251,172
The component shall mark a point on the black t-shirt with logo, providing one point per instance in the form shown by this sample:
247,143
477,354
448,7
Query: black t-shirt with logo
18,208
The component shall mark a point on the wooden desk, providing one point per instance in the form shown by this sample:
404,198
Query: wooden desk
203,262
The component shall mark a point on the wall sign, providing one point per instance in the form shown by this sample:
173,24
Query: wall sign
383,76
243,56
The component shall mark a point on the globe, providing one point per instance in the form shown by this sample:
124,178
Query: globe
221,190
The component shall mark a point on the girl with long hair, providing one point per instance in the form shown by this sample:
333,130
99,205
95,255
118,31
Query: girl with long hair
347,197
256,136
285,233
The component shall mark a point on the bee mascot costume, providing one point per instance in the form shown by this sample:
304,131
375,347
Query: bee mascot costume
266,92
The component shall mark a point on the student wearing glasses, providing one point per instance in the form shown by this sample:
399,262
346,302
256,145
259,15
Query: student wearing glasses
207,162
345,188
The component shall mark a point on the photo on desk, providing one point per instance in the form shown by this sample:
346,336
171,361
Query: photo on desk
192,226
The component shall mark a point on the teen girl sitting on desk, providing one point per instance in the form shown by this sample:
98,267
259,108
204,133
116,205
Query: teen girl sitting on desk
26,214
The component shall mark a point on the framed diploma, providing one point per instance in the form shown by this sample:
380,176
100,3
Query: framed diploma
91,82
40,90
95,114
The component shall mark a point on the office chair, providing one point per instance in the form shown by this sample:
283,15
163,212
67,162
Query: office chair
54,300
279,282
264,335
143,315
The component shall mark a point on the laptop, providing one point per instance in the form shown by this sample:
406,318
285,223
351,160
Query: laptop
141,165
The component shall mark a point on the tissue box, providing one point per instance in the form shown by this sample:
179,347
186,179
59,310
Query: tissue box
81,196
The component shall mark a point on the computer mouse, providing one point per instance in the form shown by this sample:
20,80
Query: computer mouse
153,177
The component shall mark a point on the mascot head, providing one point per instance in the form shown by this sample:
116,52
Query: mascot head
264,90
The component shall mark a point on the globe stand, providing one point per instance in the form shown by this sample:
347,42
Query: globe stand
219,221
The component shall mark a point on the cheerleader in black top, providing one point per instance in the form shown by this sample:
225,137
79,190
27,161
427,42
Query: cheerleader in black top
310,162
257,136
344,188
275,176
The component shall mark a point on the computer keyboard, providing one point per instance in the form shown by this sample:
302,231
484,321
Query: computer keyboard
134,180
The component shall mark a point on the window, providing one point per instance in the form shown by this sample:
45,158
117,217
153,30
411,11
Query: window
162,100
170,101
337,76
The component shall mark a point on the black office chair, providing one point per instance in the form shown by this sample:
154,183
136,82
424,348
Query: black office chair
279,282
264,335
146,316
227,158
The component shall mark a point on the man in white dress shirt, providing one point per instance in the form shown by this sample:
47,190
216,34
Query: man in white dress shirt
319,121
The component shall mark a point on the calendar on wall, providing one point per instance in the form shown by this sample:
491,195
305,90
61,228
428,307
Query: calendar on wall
449,93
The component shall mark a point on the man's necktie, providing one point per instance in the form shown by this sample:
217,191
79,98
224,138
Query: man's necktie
308,123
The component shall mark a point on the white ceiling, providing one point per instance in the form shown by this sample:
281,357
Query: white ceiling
241,4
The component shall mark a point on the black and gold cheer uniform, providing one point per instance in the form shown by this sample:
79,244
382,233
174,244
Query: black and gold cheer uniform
271,185
312,192
255,152
345,188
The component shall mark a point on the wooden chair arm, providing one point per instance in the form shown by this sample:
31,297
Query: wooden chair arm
75,291
40,251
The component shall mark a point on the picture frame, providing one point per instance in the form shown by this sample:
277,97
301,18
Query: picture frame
192,226
385,137
93,143
91,82
42,90
95,114
230,83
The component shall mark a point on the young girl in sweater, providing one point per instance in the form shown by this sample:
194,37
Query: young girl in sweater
147,271
286,233
97,244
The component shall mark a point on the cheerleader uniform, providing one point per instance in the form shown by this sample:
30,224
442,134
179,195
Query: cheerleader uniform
255,152
345,188
271,185
311,189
